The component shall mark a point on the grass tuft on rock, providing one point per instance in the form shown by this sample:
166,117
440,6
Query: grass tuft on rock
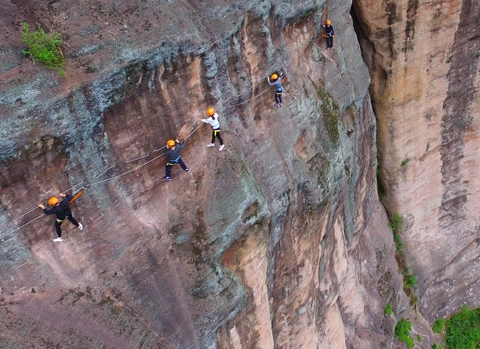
43,47
388,309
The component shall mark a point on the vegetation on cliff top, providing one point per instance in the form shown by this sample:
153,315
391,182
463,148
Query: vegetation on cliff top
462,330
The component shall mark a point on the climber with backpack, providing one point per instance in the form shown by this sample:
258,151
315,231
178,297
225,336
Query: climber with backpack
61,209
212,120
329,33
173,156
276,81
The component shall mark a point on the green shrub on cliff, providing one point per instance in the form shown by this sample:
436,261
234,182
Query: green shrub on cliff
409,281
402,330
438,326
388,309
462,330
395,223
43,47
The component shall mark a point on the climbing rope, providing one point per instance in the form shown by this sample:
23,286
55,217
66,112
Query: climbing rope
123,173
92,184
36,207
255,96
20,227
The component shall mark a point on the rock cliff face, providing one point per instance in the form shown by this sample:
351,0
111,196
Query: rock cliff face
280,240
425,77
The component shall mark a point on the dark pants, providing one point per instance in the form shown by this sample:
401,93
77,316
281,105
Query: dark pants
278,97
59,222
329,41
168,167
216,133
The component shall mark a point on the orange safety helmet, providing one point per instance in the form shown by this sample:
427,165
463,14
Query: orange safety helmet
210,111
171,143
274,76
53,201
329,22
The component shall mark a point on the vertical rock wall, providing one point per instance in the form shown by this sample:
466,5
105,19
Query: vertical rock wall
424,62
279,241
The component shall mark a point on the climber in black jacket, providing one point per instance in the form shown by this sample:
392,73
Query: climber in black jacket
329,33
61,209
173,155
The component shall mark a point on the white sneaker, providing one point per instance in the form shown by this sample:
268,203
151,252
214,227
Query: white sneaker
210,145
221,147
58,239
80,226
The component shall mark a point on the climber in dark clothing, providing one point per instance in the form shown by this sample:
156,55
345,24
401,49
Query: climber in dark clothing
61,210
173,156
329,33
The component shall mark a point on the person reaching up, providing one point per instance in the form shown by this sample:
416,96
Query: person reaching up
61,209
173,156
276,81
212,120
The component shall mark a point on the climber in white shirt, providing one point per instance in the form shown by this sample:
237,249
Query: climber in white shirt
212,120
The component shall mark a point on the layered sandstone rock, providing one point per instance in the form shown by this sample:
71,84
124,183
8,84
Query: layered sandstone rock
279,241
424,62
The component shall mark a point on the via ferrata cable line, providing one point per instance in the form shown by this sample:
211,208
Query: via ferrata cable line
81,191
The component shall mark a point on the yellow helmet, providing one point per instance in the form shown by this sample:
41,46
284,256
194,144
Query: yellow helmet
53,201
274,76
171,143
210,111
329,22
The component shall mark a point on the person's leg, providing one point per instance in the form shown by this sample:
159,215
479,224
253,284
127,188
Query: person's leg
182,164
213,137
58,228
73,220
276,98
280,101
168,171
219,137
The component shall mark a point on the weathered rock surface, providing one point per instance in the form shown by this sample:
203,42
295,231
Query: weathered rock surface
279,241
425,78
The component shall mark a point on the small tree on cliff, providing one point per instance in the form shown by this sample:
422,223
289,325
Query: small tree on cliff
43,47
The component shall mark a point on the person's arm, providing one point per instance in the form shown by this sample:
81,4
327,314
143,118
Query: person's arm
179,144
67,197
50,211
